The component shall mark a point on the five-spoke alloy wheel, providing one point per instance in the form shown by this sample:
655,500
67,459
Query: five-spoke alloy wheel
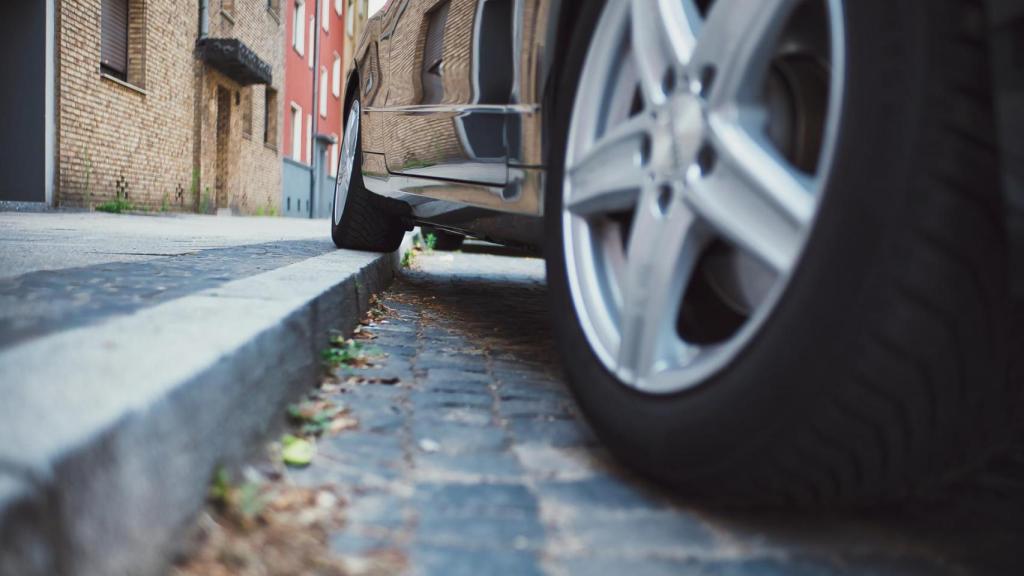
690,163
776,245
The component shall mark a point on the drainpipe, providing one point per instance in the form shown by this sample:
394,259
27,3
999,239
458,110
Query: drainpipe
314,187
204,18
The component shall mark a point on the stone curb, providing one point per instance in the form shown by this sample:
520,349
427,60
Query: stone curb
110,433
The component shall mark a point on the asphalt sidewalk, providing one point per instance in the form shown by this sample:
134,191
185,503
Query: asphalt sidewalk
138,353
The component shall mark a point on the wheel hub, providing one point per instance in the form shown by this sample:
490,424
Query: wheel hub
687,121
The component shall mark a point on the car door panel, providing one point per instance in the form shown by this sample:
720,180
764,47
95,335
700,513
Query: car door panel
451,76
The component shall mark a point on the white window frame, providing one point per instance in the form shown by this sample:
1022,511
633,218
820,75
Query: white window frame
299,27
337,7
336,80
325,15
312,39
350,19
296,132
324,80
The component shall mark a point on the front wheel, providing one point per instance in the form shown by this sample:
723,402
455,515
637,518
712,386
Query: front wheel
359,220
778,229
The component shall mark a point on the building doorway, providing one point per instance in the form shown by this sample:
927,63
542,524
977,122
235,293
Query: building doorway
223,140
27,118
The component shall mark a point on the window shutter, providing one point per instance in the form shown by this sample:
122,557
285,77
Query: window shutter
114,33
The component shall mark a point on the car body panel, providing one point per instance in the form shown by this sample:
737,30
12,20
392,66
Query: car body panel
476,142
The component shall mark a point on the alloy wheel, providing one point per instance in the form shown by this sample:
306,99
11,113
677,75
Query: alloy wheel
348,156
699,147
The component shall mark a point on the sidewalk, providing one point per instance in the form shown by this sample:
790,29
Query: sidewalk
138,353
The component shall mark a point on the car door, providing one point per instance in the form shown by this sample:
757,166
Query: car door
451,77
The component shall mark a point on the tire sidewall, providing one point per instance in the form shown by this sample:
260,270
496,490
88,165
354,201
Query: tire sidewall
774,381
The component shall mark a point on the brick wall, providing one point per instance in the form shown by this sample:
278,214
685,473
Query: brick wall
112,136
154,136
253,180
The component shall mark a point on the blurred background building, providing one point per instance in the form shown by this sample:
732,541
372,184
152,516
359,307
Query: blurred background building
314,44
178,105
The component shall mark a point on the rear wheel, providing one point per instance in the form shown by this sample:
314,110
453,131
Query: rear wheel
360,220
778,230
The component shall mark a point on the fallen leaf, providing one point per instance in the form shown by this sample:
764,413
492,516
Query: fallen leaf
297,451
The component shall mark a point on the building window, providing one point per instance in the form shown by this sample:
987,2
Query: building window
269,117
323,92
349,20
309,139
299,27
325,14
296,132
114,45
123,40
337,7
247,112
336,79
312,40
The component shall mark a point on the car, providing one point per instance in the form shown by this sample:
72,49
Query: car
775,230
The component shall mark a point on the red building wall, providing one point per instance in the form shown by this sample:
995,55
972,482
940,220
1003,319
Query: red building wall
298,89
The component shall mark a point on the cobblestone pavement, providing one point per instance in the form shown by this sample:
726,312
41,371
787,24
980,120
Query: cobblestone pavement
469,458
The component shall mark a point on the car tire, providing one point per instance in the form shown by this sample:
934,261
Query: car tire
444,241
882,370
360,220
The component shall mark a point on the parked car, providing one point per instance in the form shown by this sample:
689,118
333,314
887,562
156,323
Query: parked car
778,225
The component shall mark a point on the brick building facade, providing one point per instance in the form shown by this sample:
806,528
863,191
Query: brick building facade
189,122
314,52
299,104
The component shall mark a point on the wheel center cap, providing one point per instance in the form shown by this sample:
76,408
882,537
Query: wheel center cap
687,125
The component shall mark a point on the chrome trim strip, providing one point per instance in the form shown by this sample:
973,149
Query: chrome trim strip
458,108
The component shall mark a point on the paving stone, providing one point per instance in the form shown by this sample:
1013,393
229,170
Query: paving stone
352,542
456,439
364,449
478,532
602,492
432,360
381,510
651,533
602,565
427,560
463,500
443,399
555,432
441,376
513,407
479,466
464,415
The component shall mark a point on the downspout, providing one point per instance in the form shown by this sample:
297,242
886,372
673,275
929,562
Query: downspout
314,186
